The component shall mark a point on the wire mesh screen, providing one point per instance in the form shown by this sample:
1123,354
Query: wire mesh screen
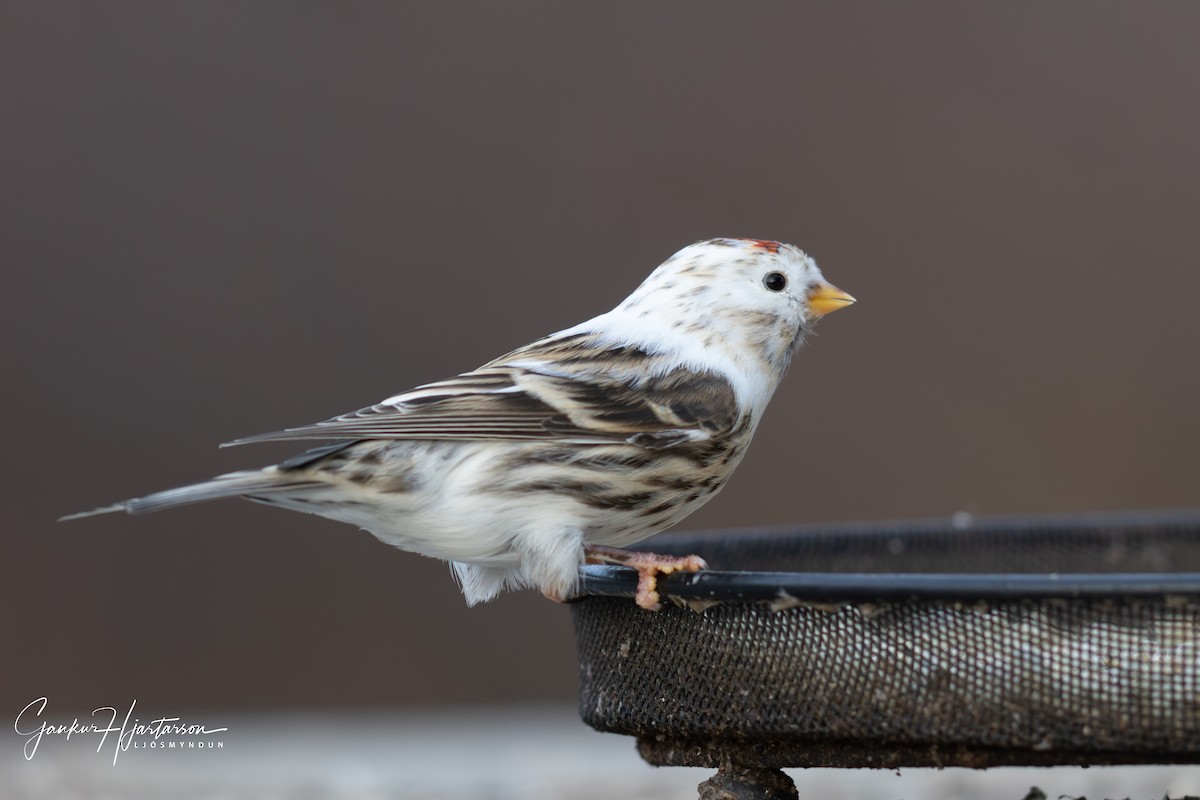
783,673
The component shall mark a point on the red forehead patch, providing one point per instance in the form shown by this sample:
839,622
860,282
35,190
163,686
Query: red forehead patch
765,244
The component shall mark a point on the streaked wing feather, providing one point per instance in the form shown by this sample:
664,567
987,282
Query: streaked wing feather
522,403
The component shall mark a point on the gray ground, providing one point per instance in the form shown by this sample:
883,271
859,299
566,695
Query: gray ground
501,754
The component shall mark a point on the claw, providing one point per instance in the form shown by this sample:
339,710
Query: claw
648,565
557,597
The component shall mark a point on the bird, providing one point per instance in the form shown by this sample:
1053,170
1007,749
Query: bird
567,450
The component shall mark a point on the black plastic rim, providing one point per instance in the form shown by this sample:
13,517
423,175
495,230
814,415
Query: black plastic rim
832,587
864,587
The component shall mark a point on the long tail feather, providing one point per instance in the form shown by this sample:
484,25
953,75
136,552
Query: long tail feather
234,484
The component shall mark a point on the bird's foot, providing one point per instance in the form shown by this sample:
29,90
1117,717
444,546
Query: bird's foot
648,565
561,597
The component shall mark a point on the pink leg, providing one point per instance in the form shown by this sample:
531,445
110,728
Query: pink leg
648,565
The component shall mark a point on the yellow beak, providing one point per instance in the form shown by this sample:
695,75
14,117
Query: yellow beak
826,298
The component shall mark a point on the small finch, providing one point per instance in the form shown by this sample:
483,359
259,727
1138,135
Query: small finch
567,449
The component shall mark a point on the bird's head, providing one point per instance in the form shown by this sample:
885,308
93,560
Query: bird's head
747,294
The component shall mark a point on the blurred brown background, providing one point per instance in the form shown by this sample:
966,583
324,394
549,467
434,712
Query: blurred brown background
225,218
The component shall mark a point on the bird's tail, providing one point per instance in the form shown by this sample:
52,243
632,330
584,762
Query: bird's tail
233,484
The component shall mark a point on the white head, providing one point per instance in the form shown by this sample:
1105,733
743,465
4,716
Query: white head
751,298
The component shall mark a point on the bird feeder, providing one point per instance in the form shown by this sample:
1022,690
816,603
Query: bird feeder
958,643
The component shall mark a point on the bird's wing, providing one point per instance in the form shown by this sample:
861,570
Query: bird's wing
534,401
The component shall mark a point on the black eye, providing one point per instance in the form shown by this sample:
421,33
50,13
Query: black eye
775,281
